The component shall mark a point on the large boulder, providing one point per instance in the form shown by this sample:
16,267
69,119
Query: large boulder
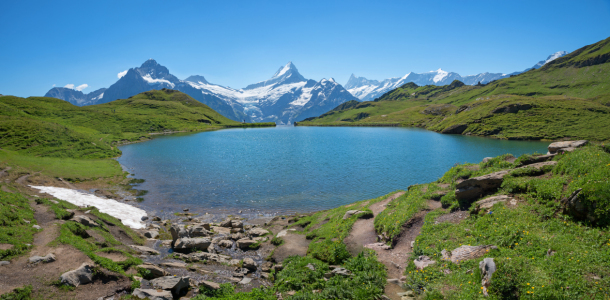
173,284
177,231
199,230
237,224
474,188
226,223
567,146
42,259
206,256
574,206
244,244
152,294
155,272
151,234
250,264
82,275
192,243
256,231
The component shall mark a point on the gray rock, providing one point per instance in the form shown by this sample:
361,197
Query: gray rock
210,285
171,283
155,271
151,234
144,218
311,267
255,232
237,230
42,259
85,221
205,256
250,264
476,187
26,221
455,129
152,294
540,165
226,223
341,271
225,244
236,236
82,275
466,252
486,159
37,227
245,244
173,264
199,230
536,159
156,218
246,280
192,243
178,231
266,266
491,201
237,224
567,146
422,262
144,250
488,267
5,263
574,206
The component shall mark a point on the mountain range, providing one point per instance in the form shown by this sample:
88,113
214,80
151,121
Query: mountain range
367,90
284,98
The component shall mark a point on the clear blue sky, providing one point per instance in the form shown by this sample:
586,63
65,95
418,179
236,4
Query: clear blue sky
235,43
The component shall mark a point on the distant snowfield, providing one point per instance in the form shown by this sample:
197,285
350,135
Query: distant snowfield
130,215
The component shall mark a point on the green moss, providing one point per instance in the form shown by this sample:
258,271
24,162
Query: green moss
23,293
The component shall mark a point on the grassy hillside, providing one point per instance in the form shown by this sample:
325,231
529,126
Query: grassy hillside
569,97
39,127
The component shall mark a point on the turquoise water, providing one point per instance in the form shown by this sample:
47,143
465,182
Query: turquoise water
286,169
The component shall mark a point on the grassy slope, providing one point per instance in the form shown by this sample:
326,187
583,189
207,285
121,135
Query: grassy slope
579,268
61,139
571,98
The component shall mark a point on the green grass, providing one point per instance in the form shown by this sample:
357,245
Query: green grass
23,293
389,222
67,168
327,230
569,99
525,235
63,140
14,211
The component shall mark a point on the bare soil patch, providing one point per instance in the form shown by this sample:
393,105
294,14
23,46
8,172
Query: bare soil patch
294,244
454,217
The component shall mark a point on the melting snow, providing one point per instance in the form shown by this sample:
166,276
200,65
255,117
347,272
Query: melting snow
121,74
98,97
129,215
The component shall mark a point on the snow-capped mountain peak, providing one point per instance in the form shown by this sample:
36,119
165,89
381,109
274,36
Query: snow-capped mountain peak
285,69
440,75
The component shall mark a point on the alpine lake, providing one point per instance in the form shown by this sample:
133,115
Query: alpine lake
281,170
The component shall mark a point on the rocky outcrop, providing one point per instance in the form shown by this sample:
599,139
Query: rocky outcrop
536,159
244,244
574,206
184,244
491,201
152,294
474,188
171,283
455,129
82,275
151,234
466,253
256,232
250,264
567,146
